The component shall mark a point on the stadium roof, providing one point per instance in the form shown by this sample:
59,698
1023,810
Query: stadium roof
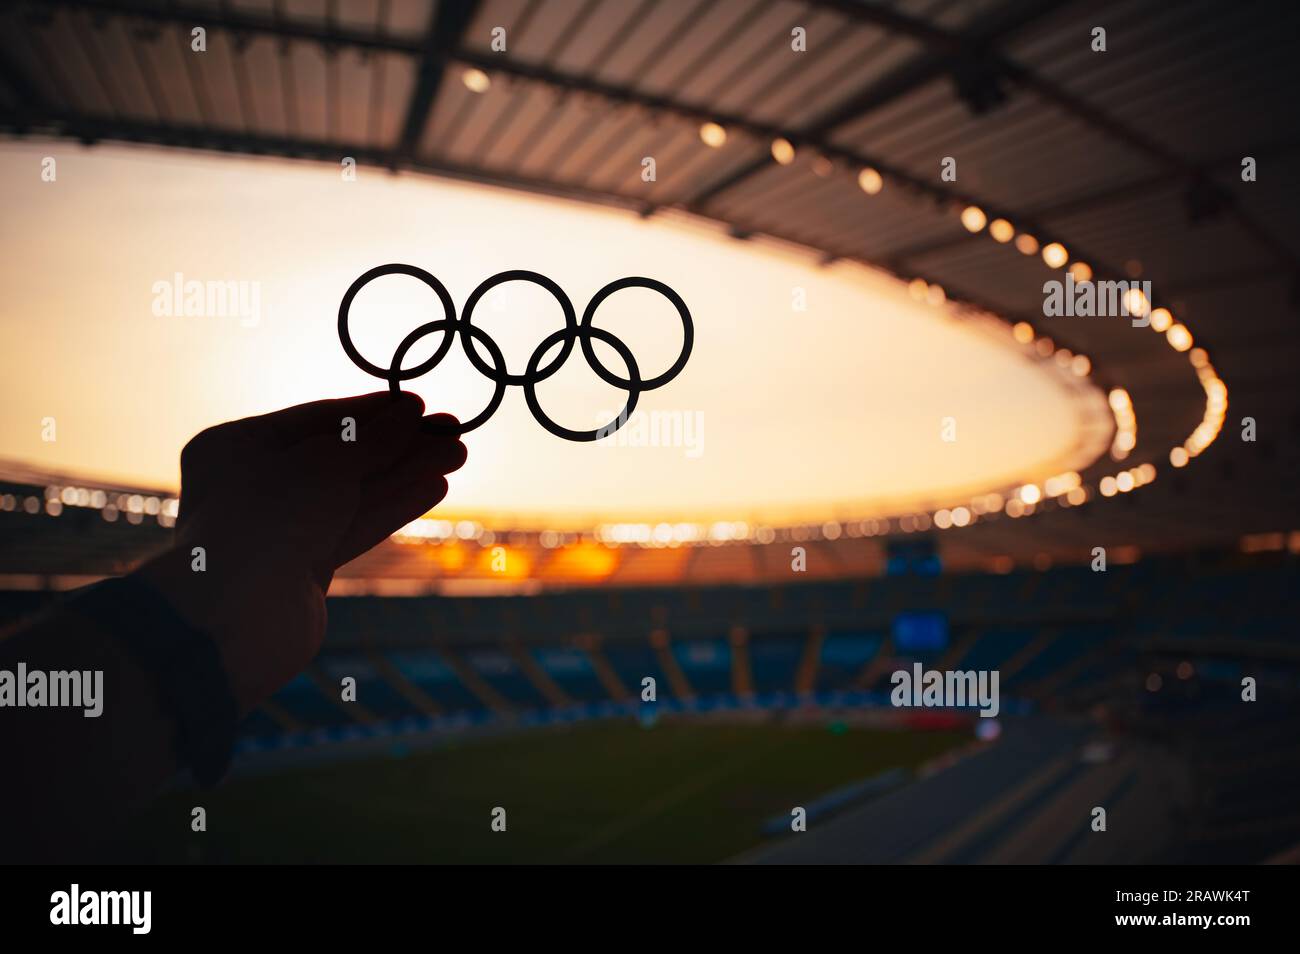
1130,158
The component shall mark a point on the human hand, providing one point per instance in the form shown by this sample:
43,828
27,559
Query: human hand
278,503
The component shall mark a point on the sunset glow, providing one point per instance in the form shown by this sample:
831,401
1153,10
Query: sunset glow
812,392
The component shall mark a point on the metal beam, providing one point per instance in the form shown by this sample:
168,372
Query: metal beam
433,53
439,50
27,92
1143,187
946,51
977,43
250,22
444,35
436,57
1252,275
615,93
94,129
892,21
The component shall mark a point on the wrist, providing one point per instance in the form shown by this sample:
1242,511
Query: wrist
198,599
181,661
266,623
189,591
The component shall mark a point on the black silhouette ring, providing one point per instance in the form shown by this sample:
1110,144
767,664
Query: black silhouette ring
581,331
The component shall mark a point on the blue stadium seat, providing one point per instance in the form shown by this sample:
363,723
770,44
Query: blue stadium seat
843,655
774,661
303,700
1060,652
633,660
706,663
427,670
500,671
258,725
572,671
374,692
994,647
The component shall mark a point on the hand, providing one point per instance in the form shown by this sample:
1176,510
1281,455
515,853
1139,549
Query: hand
278,503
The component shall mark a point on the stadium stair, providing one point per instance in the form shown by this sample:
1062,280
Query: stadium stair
407,689
606,673
1051,684
953,842
958,650
331,691
535,674
1062,820
280,717
742,677
805,680
876,668
1012,667
476,684
677,680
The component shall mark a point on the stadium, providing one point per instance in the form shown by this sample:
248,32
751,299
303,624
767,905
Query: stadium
889,451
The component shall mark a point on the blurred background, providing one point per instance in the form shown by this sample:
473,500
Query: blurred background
882,451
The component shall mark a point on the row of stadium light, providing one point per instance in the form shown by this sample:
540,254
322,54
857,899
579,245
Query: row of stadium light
783,151
714,135
111,505
1161,321
1024,500
1055,256
1061,490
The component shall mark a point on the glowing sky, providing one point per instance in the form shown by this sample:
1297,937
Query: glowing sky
831,411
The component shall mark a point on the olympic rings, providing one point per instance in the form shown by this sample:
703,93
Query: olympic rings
570,322
634,387
448,308
498,361
535,373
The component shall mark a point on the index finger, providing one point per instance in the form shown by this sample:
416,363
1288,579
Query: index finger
316,418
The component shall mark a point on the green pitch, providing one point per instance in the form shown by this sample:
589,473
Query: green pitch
680,791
